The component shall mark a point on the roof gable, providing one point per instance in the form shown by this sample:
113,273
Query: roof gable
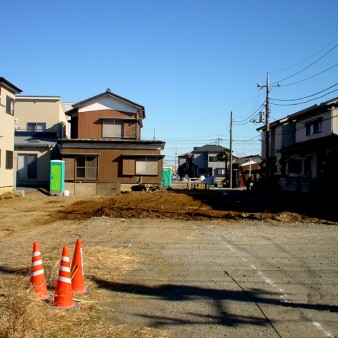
108,100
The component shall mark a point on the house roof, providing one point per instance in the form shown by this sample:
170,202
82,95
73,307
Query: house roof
247,159
304,112
9,85
34,141
211,148
112,144
109,93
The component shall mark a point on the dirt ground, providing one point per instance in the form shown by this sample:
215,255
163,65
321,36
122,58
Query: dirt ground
175,204
103,221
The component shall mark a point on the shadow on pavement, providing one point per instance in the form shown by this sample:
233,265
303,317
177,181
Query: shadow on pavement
182,293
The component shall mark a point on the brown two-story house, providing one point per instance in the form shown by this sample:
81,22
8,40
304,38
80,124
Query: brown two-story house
105,149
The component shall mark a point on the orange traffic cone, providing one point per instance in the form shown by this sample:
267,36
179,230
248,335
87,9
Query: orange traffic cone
77,270
38,279
63,297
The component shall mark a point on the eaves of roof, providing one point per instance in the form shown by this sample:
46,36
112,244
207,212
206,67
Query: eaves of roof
31,142
111,143
9,85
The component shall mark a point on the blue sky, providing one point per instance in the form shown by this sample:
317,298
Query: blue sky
189,62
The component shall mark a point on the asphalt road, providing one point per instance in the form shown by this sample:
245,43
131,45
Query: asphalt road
220,279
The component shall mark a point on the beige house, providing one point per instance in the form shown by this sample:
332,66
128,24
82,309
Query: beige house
7,102
39,122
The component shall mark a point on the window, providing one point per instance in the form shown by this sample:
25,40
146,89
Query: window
219,171
140,165
294,167
9,105
288,134
27,166
213,159
112,128
36,126
86,167
9,159
314,127
147,166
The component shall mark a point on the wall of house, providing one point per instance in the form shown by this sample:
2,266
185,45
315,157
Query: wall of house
110,165
6,142
41,109
43,163
201,162
215,165
90,124
278,138
326,127
334,119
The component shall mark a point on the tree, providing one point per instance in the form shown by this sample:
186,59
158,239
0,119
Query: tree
224,155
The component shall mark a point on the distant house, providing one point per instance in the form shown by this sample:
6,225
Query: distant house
245,167
39,122
303,149
105,149
204,161
7,114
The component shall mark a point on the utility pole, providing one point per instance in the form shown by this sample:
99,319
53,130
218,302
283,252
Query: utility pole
217,141
267,87
231,150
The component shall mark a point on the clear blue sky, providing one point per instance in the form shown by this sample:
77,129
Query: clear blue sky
189,62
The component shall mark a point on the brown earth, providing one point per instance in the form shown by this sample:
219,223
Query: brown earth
57,221
204,204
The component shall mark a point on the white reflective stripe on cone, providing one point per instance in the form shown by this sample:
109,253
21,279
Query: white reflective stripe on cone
65,279
37,273
36,253
39,262
64,268
65,258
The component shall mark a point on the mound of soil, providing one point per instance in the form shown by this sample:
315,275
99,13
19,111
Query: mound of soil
185,205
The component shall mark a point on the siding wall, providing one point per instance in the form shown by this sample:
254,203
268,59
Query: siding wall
110,165
90,124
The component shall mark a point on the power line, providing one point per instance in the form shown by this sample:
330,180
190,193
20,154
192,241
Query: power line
310,77
305,97
308,58
299,103
307,67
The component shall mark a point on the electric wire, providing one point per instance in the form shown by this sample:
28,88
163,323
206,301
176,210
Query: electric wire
308,66
308,78
305,97
295,104
308,58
